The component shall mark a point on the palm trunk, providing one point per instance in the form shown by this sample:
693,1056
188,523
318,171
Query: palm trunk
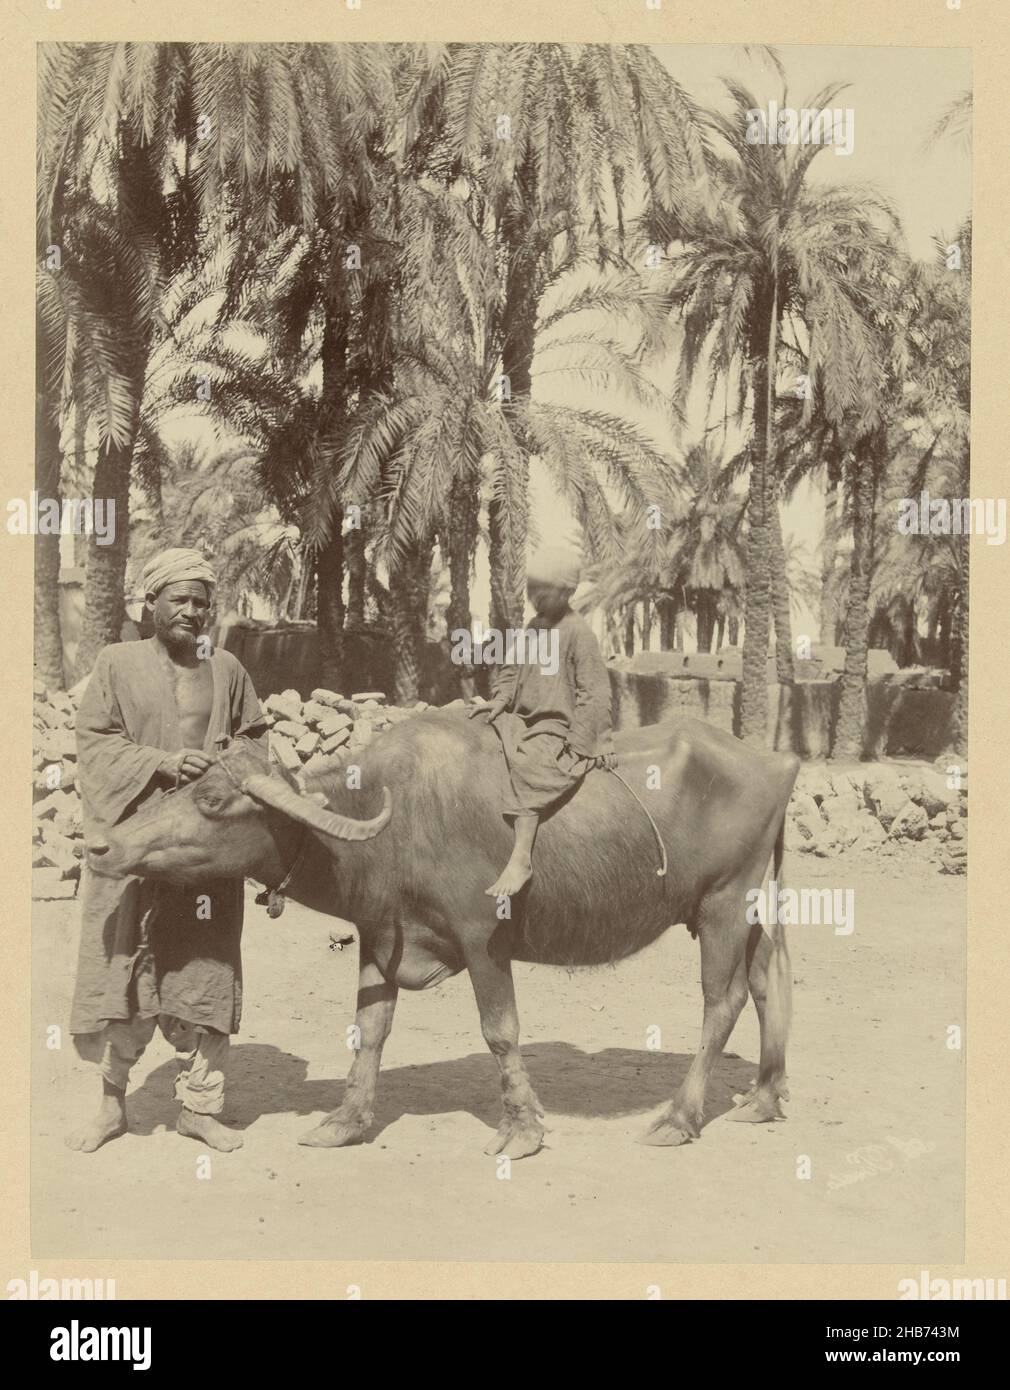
851,727
357,568
757,593
409,588
704,612
720,630
48,643
330,610
779,587
943,633
507,512
646,624
629,632
330,556
80,468
733,631
961,671
666,621
829,550
460,541
105,577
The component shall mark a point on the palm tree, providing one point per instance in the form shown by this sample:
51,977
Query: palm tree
757,245
693,561
938,416
447,431
48,642
261,135
214,499
544,138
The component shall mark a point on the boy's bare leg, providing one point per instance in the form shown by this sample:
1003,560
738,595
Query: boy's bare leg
519,870
108,1123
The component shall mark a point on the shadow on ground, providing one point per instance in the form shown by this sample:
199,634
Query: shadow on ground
265,1080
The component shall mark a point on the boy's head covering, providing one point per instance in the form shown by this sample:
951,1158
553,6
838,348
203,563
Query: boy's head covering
554,566
174,566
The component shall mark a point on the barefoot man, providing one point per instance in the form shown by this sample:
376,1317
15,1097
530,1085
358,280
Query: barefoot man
157,954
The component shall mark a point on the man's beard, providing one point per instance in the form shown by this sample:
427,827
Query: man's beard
177,639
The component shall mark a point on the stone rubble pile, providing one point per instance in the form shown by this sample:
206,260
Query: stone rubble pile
884,808
57,830
309,734
887,808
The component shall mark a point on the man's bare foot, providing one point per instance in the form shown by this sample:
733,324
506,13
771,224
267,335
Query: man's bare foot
109,1123
208,1130
516,874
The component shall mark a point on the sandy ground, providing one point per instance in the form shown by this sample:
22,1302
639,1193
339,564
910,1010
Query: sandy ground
876,1109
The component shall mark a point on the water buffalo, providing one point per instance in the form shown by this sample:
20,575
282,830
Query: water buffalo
407,855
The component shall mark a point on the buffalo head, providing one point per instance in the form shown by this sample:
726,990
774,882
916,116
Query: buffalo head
239,819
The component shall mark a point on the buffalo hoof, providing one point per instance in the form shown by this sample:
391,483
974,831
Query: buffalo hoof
517,1139
334,1133
756,1108
666,1135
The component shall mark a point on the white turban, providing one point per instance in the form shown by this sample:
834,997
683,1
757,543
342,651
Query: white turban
174,567
554,567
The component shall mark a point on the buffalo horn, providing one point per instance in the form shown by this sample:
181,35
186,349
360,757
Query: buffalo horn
270,791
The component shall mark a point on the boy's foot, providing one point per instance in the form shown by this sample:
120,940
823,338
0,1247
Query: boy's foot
109,1123
208,1130
516,874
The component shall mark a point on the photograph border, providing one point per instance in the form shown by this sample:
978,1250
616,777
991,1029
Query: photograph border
975,25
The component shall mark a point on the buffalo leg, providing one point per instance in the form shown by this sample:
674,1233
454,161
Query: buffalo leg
374,1019
520,1132
723,932
762,1101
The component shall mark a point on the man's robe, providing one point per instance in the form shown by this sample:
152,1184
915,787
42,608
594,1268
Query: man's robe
143,949
556,723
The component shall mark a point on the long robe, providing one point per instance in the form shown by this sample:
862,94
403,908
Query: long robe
556,723
143,948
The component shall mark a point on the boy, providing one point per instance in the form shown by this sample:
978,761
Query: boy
554,724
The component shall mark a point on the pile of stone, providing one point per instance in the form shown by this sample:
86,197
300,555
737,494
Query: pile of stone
57,831
307,735
886,808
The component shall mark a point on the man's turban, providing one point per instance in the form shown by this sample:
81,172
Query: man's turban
555,567
174,567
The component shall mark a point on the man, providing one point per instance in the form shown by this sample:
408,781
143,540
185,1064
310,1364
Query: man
156,954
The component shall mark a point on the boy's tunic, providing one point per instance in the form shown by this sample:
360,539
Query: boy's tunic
555,725
143,949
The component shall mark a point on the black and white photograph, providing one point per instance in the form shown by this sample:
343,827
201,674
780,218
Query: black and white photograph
501,521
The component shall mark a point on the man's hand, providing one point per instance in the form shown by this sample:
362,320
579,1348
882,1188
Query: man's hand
493,710
184,766
607,761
